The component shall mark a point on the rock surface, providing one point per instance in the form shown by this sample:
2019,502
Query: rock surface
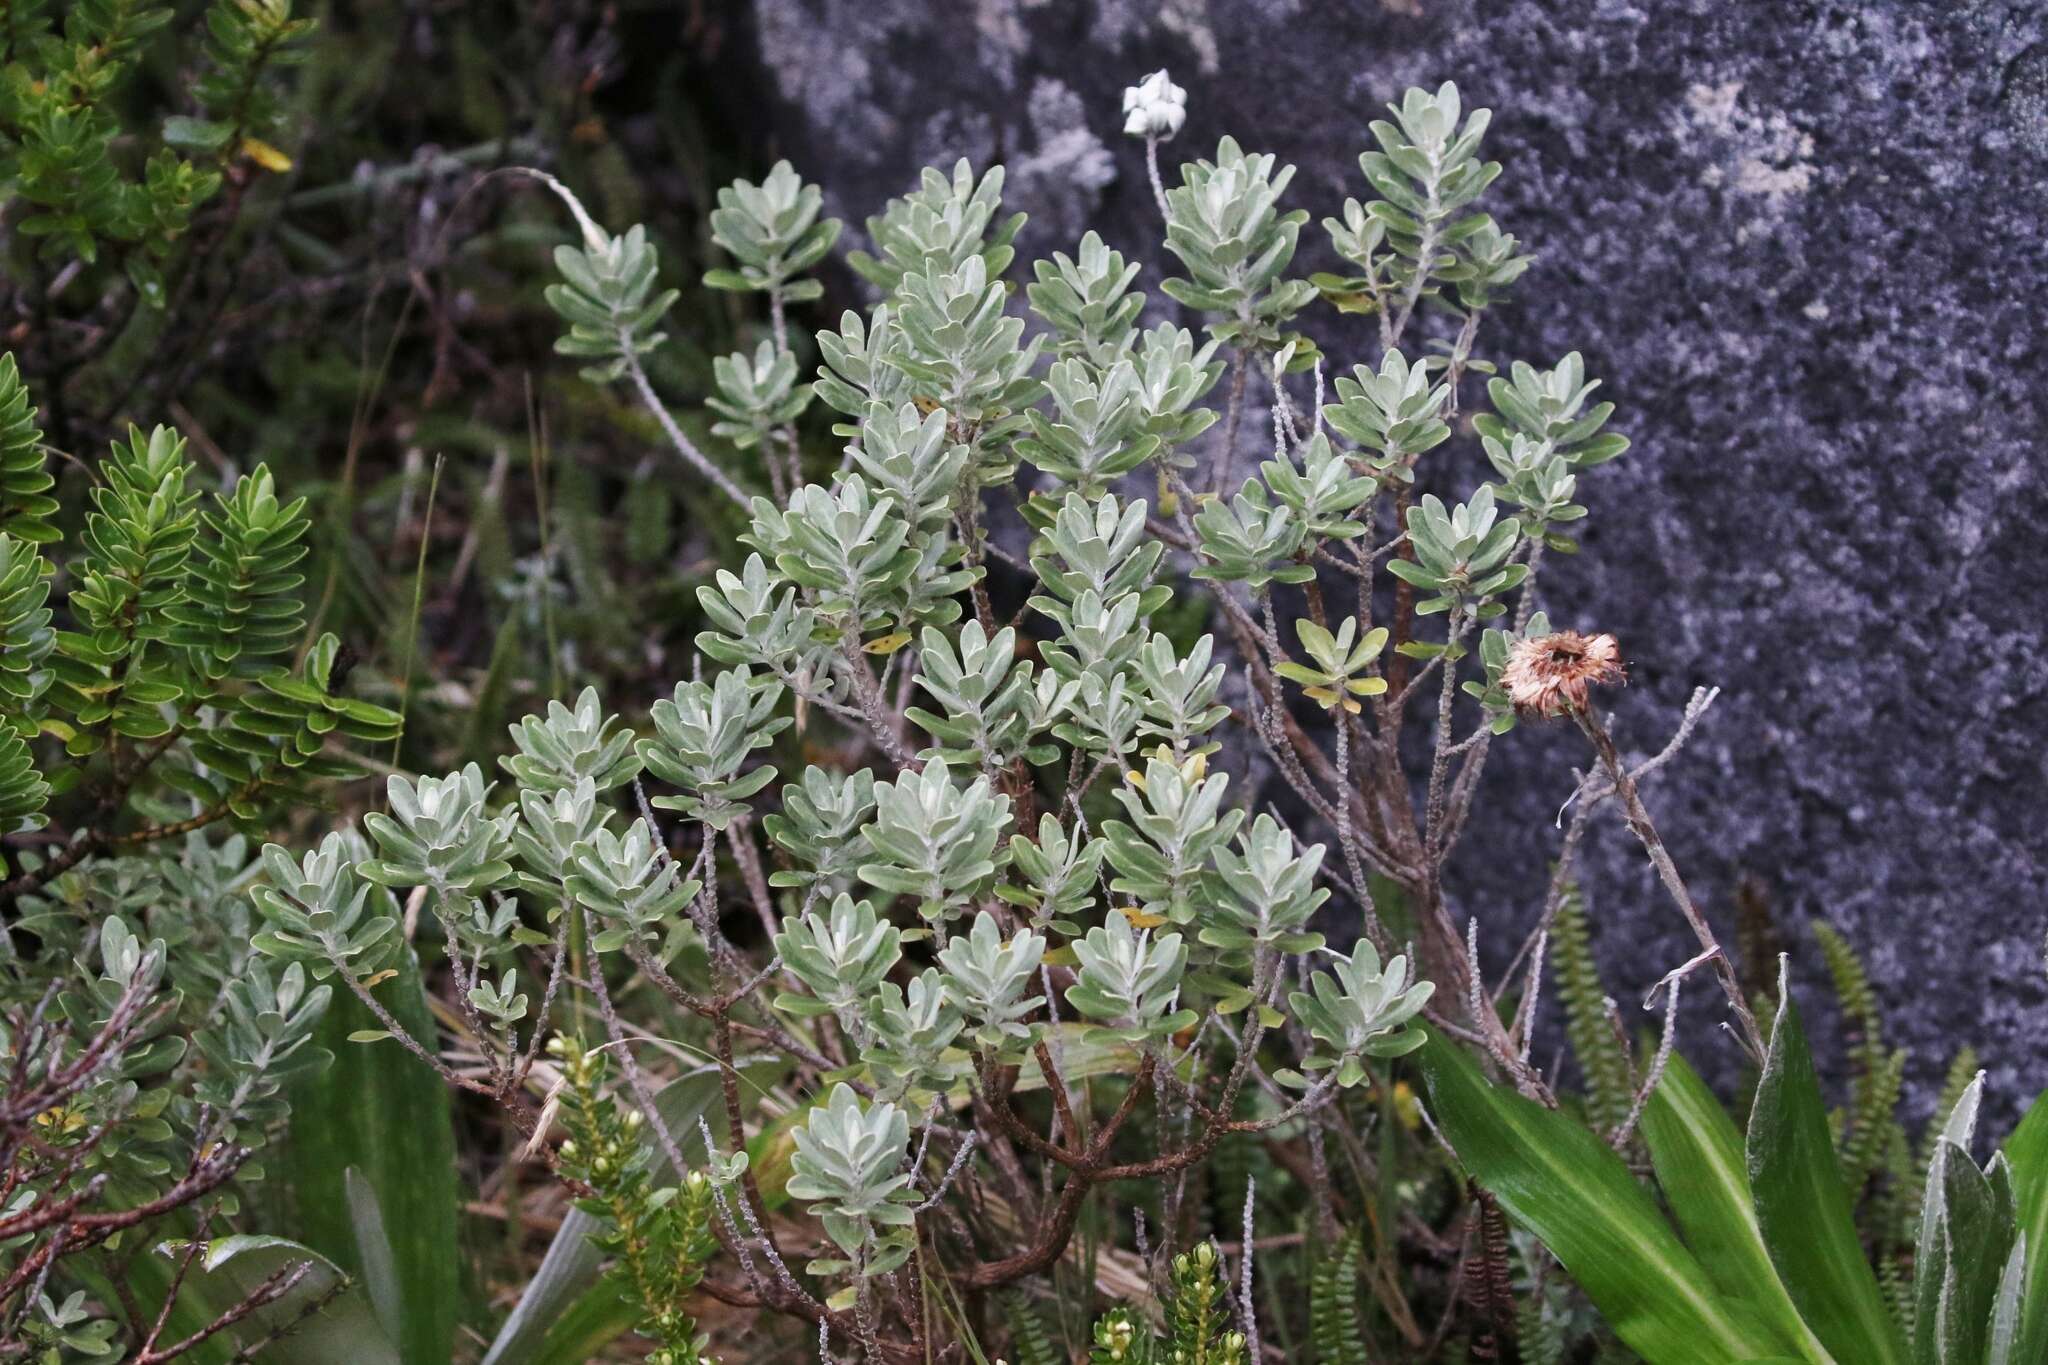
1804,246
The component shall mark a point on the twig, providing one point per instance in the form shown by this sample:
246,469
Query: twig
684,446
1638,819
1618,1139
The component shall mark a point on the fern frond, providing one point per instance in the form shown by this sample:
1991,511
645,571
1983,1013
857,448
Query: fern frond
1030,1342
1852,984
1962,1069
1335,1328
1873,1114
1602,1063
1876,1072
1539,1333
1897,1217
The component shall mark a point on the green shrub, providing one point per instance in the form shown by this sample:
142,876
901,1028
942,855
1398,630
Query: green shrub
1009,925
160,706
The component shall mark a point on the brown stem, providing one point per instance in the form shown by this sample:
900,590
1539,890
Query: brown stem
868,693
1638,819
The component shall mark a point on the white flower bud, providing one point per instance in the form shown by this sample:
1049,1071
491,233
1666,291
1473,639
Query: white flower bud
1156,107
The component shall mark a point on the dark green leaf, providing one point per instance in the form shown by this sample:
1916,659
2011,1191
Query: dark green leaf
2027,1152
387,1116
1803,1208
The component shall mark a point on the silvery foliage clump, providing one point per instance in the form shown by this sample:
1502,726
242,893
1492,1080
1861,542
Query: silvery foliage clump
966,740
841,957
1357,1009
849,1161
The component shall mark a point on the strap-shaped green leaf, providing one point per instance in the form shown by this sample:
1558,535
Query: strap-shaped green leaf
1698,1157
2002,1347
344,1332
375,1129
2027,1153
1567,1187
1803,1209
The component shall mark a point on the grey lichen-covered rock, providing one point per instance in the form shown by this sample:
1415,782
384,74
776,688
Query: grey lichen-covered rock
1804,246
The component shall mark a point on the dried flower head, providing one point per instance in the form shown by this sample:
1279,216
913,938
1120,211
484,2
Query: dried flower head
1548,675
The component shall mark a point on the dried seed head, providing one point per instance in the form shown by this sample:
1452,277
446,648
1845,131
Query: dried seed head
1550,674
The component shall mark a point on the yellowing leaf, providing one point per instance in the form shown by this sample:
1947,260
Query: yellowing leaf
62,1118
888,644
1405,1107
370,983
1140,919
265,155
